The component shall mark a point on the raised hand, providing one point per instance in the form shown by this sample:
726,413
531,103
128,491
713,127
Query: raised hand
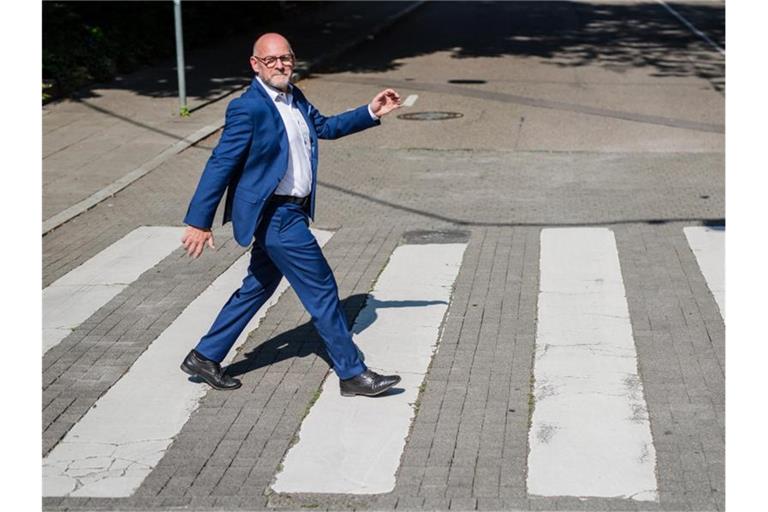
385,102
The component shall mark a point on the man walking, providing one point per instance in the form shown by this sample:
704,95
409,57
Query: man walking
267,161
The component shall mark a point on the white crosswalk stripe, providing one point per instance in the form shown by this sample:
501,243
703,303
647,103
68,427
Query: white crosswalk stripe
590,431
590,434
115,446
708,245
410,100
401,324
70,300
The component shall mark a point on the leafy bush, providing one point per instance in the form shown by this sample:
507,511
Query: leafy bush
87,42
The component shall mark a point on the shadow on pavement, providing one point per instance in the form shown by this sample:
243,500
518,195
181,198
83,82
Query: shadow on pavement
615,36
313,28
303,340
464,222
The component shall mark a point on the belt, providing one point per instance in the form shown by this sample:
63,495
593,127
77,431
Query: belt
278,199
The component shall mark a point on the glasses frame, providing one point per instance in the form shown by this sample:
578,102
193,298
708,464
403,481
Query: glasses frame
282,58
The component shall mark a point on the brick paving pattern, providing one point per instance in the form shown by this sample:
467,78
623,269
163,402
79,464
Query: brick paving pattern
467,448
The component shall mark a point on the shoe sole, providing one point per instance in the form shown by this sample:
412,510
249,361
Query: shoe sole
371,394
193,373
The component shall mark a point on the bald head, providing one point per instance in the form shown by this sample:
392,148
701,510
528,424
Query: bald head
271,43
273,60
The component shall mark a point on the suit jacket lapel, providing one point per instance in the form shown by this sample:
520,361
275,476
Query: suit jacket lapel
282,135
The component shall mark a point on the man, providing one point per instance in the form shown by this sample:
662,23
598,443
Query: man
267,161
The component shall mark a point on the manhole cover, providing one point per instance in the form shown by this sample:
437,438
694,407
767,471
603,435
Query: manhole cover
429,116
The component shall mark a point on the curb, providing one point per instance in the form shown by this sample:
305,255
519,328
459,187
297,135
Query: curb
109,191
115,187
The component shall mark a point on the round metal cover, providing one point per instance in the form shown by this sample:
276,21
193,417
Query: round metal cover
429,116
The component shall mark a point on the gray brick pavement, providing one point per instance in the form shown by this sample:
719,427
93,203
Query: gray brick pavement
109,130
685,398
468,445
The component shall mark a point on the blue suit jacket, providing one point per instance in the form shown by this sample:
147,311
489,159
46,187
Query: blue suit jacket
252,157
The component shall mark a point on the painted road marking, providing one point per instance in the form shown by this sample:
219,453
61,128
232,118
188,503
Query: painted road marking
590,433
113,448
708,245
410,100
70,300
692,28
354,445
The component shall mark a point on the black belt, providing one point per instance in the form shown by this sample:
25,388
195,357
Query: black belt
278,199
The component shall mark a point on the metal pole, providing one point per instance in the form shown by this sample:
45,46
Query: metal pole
183,110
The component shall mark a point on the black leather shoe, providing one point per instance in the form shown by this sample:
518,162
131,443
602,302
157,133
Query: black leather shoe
210,371
368,383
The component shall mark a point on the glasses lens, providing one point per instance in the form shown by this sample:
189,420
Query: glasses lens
270,61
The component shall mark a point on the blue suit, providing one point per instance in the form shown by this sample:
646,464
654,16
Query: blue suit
249,162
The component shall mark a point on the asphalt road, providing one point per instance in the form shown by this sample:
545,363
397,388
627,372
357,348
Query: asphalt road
568,113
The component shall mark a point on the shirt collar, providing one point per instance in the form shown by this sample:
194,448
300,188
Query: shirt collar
276,94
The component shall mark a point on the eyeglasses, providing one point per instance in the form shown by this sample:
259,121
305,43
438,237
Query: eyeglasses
287,60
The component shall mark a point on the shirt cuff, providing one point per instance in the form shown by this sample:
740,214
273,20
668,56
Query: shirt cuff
370,111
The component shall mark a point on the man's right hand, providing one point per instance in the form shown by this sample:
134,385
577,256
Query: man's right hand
195,239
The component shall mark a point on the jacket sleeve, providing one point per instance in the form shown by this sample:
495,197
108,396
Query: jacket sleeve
349,122
226,159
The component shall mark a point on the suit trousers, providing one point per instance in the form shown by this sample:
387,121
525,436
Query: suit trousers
284,246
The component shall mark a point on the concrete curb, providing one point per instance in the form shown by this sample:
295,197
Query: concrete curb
112,189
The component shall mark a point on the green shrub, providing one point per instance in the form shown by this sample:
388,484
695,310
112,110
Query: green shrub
87,42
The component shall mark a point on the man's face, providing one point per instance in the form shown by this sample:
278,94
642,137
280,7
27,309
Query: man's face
273,61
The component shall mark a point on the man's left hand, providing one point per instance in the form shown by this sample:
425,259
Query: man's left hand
385,102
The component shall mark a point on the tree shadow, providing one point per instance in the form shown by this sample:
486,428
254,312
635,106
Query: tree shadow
303,340
617,37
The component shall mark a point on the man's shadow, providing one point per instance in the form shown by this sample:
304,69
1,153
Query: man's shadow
303,340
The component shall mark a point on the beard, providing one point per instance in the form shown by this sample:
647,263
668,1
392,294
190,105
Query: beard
278,81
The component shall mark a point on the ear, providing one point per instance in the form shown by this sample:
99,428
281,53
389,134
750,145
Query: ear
254,64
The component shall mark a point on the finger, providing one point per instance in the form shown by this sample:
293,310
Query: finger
194,246
210,243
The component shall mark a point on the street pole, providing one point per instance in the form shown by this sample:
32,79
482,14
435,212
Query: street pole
183,110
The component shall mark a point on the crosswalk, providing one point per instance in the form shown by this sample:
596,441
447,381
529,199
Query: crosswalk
590,433
708,245
71,299
121,439
403,317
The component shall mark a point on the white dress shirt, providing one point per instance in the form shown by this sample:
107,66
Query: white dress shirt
298,176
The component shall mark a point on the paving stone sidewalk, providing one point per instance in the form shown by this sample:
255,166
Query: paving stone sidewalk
468,444
467,448
108,130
